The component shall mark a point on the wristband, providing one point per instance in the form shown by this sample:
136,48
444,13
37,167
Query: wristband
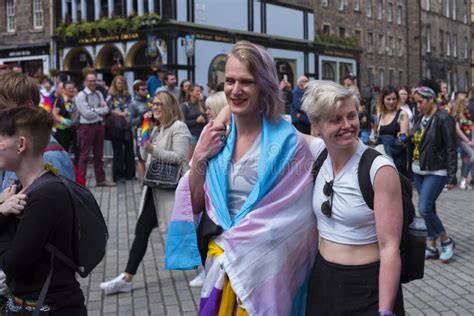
385,313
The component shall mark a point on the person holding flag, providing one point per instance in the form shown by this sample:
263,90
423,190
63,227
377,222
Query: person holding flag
139,111
169,142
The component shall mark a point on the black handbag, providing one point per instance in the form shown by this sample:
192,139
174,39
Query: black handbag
163,175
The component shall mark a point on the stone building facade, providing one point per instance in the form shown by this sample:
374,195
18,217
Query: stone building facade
380,27
446,42
403,41
25,34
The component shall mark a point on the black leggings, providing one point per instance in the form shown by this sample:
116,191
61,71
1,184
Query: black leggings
145,225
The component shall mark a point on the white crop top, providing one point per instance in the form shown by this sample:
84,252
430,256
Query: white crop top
352,221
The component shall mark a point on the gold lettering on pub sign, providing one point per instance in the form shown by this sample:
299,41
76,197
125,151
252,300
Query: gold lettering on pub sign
108,38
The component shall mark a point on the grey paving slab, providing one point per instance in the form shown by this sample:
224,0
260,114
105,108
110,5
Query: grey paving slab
447,289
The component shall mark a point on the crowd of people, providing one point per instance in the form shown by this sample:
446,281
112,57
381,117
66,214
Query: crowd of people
246,180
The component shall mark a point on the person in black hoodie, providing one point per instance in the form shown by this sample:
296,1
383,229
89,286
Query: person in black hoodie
434,164
47,217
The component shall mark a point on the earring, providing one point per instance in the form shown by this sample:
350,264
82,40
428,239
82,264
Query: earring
18,152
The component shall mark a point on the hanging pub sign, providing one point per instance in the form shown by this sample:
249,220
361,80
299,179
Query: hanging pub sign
189,45
152,48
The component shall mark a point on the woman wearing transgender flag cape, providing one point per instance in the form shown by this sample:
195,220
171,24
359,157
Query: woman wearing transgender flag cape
256,192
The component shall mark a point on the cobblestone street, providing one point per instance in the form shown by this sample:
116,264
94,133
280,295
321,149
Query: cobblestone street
447,289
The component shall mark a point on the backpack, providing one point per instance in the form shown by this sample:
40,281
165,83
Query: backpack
89,231
412,256
53,146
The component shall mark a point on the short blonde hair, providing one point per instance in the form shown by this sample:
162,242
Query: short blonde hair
323,97
216,102
171,110
262,67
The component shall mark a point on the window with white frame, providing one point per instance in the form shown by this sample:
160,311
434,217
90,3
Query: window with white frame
379,9
428,39
371,78
382,77
370,41
446,8
466,48
38,14
368,8
453,6
441,42
381,44
390,47
400,77
400,46
448,44
325,3
455,45
390,12
399,15
356,5
391,77
428,5
11,18
341,5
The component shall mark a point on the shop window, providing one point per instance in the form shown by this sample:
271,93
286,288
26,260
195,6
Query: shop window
329,70
216,72
285,67
345,69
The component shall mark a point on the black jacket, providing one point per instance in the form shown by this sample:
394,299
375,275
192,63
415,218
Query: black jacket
438,145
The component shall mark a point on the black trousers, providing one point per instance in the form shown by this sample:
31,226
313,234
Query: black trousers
145,225
123,164
339,290
68,139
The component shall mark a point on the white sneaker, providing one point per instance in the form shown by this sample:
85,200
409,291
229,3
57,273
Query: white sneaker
199,280
117,285
463,185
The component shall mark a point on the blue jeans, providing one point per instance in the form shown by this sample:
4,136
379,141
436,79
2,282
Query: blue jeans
429,187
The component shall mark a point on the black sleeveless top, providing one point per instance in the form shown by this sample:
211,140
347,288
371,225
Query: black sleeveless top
391,129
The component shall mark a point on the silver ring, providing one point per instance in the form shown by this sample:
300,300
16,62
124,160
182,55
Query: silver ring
223,138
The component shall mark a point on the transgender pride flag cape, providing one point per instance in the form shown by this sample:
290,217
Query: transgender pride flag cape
270,246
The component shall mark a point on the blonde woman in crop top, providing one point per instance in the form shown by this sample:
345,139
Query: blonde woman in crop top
357,269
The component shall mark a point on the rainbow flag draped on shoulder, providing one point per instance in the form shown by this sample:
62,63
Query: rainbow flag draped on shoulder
264,255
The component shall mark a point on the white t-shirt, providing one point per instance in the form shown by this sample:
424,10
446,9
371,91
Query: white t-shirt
242,177
352,221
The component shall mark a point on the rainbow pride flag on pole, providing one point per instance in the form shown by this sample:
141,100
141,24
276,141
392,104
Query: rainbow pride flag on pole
145,130
46,104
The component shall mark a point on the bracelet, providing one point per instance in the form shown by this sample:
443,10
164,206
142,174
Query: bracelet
385,313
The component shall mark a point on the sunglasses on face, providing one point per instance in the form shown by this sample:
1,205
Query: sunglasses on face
326,207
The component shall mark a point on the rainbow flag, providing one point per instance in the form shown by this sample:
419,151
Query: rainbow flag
145,130
46,104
